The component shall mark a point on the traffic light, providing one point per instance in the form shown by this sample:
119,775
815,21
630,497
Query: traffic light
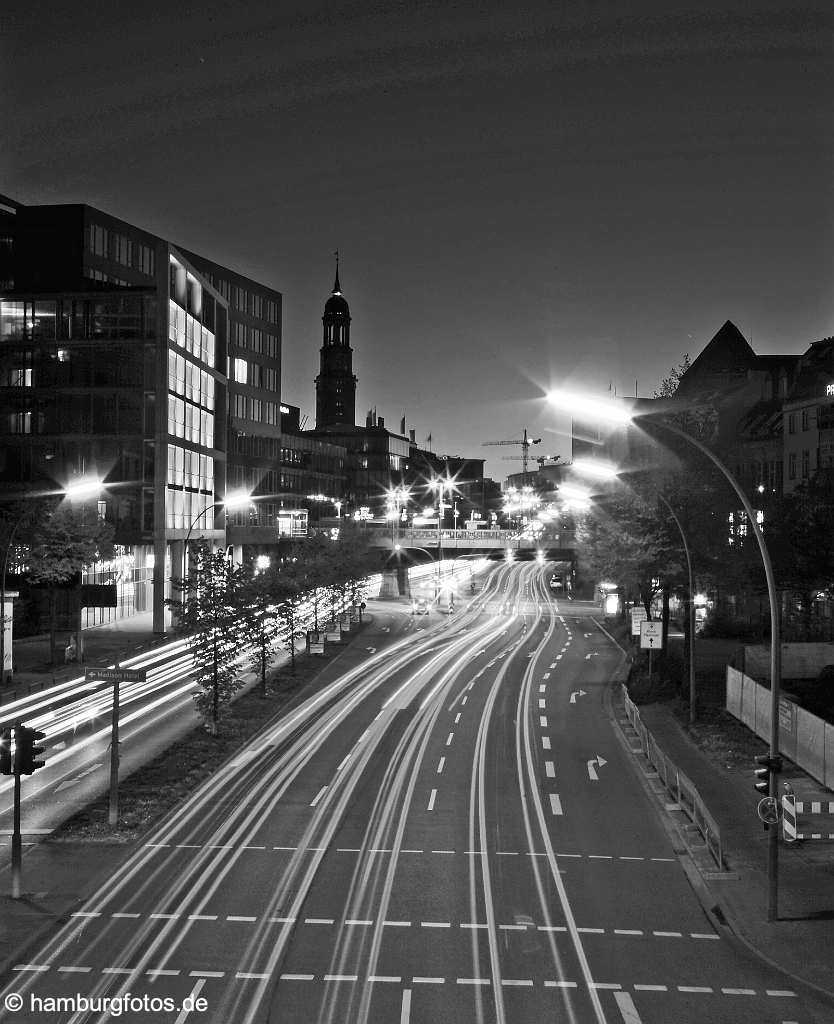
767,764
6,767
26,753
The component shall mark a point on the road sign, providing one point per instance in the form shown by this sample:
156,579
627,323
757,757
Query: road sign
115,675
651,636
638,615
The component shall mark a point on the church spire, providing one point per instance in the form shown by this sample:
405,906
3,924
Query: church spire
337,290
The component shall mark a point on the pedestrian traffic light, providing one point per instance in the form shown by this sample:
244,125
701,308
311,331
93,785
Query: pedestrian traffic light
6,767
768,765
26,751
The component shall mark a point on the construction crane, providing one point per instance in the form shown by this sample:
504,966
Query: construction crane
525,443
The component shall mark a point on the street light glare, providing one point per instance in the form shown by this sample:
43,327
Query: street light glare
85,488
590,407
236,499
594,467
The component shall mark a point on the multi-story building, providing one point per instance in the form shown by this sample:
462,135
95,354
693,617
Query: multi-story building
808,416
125,356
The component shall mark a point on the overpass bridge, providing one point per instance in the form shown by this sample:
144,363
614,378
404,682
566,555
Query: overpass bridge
556,546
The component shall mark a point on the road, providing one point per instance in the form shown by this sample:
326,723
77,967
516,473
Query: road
447,830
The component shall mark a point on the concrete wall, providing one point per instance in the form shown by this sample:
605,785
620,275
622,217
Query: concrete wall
807,740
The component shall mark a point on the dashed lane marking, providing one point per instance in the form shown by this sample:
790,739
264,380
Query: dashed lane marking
555,804
612,986
318,796
545,742
369,922
550,769
543,721
431,800
440,764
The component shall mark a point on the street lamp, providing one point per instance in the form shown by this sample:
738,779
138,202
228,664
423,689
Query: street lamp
616,413
82,488
232,501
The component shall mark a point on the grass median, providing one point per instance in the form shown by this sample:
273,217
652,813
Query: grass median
151,791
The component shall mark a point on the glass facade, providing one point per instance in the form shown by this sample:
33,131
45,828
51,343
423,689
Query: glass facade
191,401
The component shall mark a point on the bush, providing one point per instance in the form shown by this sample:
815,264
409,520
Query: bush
722,624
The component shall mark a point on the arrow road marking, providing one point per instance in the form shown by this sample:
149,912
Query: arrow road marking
592,772
371,650
71,782
575,694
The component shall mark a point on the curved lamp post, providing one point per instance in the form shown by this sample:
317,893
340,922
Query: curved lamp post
610,411
230,503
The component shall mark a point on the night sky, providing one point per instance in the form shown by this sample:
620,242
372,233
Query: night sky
524,196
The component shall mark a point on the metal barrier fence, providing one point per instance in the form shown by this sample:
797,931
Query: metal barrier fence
677,784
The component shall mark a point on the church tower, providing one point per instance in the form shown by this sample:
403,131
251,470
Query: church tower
336,383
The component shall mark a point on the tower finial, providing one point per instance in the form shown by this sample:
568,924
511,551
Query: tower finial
337,290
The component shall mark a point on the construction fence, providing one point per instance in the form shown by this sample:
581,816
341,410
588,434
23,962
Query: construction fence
805,739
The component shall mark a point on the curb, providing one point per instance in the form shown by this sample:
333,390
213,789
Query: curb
724,922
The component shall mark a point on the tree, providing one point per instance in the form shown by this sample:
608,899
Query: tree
67,540
625,540
669,385
800,540
259,621
287,593
208,615
353,560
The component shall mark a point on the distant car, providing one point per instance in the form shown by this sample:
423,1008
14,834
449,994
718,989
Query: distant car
420,606
556,582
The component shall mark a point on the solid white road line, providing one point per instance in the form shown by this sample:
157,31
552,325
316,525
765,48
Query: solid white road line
192,996
625,1004
405,1009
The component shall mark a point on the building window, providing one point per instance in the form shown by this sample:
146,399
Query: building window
804,419
240,371
792,466
792,423
806,464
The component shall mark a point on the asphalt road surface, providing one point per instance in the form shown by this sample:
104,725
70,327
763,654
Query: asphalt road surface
448,830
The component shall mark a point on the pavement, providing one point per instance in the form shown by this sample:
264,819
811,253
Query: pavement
800,943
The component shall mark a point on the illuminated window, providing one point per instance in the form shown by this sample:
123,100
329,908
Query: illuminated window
240,371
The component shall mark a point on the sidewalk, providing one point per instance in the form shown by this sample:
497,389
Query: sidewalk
801,941
102,645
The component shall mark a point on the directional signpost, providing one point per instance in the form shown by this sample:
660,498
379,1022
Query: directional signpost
114,676
651,639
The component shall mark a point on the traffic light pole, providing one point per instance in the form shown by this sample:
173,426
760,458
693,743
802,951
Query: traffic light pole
17,858
113,816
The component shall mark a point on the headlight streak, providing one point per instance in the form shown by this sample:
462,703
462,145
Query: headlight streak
232,830
479,866
524,714
251,794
